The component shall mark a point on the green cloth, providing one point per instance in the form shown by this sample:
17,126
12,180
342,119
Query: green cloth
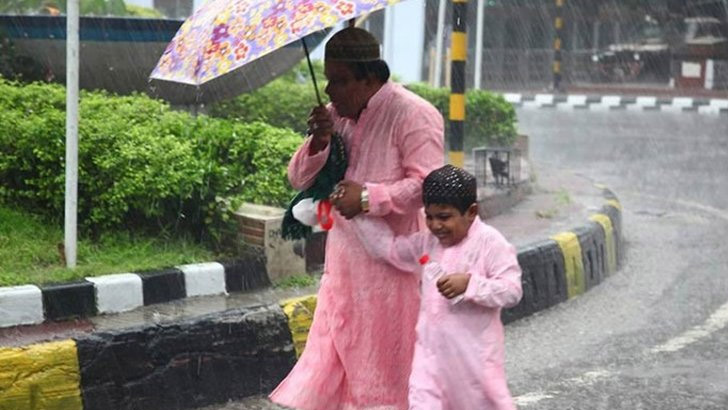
332,172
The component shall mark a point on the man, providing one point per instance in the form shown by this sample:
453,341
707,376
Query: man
359,349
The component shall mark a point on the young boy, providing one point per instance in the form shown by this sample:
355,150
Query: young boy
458,362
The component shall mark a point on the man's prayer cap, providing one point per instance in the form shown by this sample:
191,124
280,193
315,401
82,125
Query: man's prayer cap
352,44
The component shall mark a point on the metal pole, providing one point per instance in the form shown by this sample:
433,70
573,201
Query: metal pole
72,58
479,44
439,37
558,26
310,69
457,83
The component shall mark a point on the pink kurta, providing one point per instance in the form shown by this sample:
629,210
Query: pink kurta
459,353
360,346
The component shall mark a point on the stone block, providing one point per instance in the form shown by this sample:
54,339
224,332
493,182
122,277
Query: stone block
20,305
117,293
189,364
204,278
260,225
163,286
69,300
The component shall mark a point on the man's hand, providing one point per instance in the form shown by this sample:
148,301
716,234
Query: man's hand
453,285
347,198
321,127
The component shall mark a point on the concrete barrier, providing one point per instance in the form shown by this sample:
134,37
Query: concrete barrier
187,364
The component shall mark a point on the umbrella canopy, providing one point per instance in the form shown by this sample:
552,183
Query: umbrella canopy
224,35
254,75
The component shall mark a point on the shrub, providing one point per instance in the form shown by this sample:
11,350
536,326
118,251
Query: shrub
140,163
284,102
489,119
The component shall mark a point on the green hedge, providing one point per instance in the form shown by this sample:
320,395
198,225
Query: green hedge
490,120
286,102
141,164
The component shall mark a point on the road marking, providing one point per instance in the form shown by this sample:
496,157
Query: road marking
531,398
589,378
717,321
585,379
719,213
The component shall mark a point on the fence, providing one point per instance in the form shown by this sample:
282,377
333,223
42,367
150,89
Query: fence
498,167
531,68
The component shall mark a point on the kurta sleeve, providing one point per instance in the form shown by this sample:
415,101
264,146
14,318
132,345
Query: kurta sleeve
303,167
403,252
499,285
421,144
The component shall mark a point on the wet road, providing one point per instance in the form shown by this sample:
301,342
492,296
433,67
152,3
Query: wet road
654,335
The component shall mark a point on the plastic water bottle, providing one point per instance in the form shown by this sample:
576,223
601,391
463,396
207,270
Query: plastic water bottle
433,271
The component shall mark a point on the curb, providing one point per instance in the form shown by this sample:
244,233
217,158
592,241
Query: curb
248,351
188,364
568,102
30,304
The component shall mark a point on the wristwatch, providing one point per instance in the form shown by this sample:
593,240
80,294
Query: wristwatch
364,200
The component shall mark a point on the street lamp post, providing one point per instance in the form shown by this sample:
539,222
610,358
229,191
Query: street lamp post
72,63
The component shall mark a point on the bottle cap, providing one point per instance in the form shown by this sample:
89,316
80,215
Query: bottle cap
424,259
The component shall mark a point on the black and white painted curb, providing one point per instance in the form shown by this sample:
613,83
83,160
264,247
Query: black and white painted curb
31,304
712,106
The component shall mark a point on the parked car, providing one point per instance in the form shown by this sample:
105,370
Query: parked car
704,37
647,56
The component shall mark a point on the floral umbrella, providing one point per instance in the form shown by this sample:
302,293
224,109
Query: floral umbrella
226,34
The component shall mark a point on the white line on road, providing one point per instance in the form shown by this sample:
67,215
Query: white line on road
585,379
718,320
531,398
722,214
589,378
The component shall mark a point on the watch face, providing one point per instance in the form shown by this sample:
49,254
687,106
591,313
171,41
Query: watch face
364,202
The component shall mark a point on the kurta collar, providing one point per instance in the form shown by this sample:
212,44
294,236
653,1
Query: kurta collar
473,231
377,100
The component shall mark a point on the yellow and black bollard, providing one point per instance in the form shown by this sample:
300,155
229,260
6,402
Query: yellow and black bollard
558,27
457,83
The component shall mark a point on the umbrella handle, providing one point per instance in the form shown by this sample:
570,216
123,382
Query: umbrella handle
310,68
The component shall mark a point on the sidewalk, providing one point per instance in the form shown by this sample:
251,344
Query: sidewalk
201,350
559,201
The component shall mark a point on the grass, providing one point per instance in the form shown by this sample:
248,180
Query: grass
30,254
547,214
295,281
563,197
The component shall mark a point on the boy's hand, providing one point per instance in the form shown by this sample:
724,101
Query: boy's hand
453,285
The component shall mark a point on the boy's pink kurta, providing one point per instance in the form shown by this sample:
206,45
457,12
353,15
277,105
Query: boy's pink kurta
360,346
459,353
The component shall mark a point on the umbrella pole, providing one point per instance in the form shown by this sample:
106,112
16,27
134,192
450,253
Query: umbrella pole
310,69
